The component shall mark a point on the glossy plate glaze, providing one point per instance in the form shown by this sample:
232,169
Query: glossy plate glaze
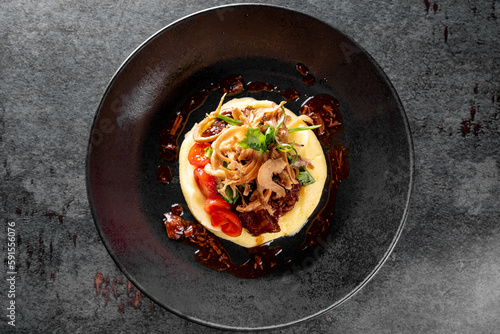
260,43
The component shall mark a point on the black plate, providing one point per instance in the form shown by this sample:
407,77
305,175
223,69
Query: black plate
262,43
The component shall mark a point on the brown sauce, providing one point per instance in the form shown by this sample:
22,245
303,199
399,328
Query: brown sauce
212,253
258,86
218,125
263,260
291,95
170,132
232,85
302,69
324,110
164,174
307,78
338,165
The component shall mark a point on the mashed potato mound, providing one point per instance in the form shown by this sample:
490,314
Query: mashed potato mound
290,223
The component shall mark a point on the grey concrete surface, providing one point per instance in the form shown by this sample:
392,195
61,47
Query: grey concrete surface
56,59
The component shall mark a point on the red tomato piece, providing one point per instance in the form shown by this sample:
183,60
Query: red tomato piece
216,203
228,222
197,155
206,183
232,230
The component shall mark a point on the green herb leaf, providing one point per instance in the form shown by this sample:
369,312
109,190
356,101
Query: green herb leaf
302,128
280,146
280,121
255,140
229,120
209,151
285,147
270,136
304,177
292,159
262,141
230,197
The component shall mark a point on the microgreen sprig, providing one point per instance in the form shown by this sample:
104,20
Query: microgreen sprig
262,141
303,128
229,120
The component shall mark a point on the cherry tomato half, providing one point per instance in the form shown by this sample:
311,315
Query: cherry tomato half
216,203
232,230
197,155
206,183
228,222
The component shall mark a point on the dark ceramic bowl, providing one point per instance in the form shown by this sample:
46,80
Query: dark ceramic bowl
261,43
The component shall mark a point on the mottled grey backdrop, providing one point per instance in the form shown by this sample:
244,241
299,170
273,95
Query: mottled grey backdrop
56,59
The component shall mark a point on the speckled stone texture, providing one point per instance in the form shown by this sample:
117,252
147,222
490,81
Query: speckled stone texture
56,60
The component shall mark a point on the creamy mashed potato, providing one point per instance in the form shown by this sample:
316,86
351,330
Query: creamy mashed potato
309,196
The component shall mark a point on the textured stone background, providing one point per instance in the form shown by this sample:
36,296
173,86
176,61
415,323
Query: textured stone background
56,59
